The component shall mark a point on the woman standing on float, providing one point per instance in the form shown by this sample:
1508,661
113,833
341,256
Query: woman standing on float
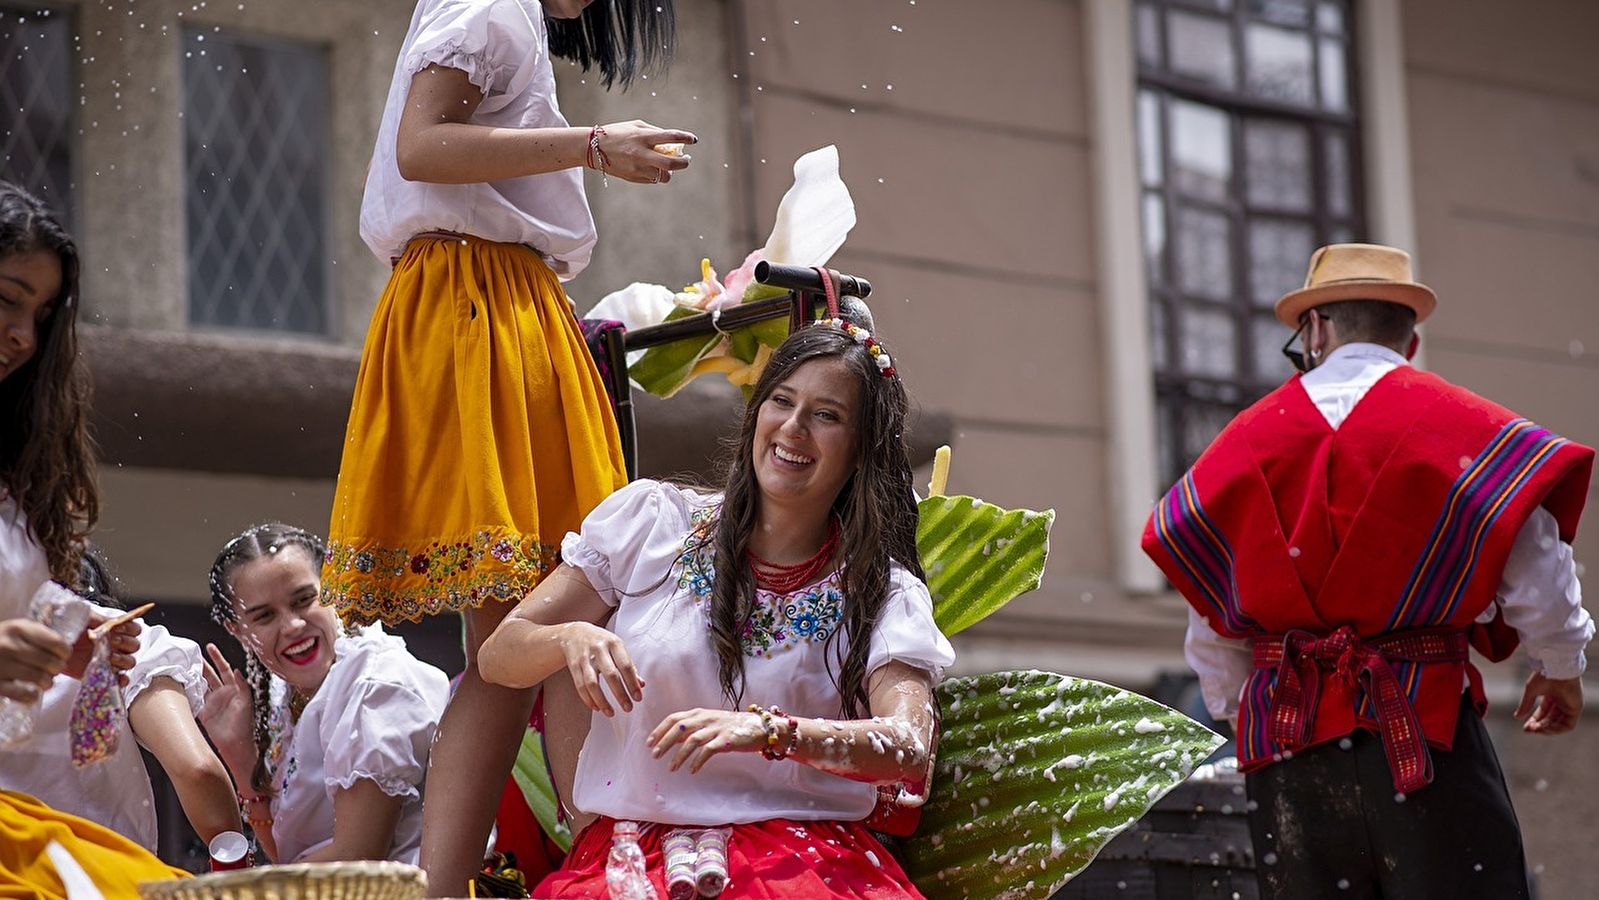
480,430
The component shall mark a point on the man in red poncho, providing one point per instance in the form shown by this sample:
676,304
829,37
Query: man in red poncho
1342,544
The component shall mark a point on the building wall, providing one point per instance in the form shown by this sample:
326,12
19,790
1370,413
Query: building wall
967,144
208,431
1504,129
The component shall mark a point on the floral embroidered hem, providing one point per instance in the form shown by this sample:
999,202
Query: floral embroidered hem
367,582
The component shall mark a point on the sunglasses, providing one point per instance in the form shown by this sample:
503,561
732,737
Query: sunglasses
1297,357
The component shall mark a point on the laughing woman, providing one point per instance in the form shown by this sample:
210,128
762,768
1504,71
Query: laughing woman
758,658
326,734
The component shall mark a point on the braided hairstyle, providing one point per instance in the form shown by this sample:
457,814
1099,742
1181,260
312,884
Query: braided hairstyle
256,543
876,510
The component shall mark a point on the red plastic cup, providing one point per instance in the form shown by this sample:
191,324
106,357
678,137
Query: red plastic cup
230,850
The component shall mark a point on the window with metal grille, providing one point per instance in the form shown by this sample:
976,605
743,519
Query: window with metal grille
1249,159
36,146
255,121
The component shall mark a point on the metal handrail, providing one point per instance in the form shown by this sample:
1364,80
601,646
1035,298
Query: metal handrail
805,295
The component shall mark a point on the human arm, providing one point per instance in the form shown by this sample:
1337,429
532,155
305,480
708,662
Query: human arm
895,744
31,655
437,141
557,626
228,718
364,819
1540,597
161,718
1222,664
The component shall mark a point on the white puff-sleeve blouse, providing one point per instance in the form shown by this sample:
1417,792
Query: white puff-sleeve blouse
502,46
644,550
373,718
114,792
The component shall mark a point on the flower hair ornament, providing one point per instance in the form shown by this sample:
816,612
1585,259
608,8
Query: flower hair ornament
885,365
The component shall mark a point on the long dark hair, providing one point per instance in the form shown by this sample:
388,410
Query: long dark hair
876,509
256,543
47,459
96,582
622,38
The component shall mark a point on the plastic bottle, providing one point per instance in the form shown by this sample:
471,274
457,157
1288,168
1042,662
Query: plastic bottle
67,614
624,870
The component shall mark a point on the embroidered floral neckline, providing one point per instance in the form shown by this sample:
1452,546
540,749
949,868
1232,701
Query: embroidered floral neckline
778,621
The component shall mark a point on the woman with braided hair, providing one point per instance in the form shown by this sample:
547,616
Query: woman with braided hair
758,658
326,733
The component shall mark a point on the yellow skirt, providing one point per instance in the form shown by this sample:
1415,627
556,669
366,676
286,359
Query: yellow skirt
28,828
480,433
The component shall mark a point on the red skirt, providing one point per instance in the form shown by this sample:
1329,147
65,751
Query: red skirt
779,859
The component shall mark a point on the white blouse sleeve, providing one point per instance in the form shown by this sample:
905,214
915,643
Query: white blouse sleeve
630,540
906,631
489,41
162,654
382,733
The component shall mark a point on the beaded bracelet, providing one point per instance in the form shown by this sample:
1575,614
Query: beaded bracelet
768,726
246,803
769,718
793,740
258,824
595,158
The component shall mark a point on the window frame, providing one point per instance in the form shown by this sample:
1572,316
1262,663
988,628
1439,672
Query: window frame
1376,57
68,205
322,214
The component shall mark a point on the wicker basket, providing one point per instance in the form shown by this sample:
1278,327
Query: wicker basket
300,881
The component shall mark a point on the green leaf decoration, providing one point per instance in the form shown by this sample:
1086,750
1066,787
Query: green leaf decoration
742,343
532,775
978,556
662,370
771,332
1036,772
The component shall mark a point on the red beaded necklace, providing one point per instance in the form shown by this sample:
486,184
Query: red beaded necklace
786,579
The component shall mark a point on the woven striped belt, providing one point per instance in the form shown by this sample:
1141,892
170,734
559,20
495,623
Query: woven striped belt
1304,659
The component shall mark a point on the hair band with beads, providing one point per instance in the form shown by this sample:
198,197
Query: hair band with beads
885,365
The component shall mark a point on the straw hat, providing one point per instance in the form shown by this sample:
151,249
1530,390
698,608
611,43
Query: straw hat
298,881
1357,272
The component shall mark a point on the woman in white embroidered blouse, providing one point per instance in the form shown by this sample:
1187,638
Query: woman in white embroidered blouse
770,651
165,691
326,734
49,502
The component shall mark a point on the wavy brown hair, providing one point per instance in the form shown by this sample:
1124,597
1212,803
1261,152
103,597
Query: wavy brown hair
47,459
876,509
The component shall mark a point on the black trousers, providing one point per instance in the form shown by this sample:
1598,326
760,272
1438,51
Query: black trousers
1327,823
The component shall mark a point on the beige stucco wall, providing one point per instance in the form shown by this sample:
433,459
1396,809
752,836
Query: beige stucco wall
1505,138
131,175
967,146
161,527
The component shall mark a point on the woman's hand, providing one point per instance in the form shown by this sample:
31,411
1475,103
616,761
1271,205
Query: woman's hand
598,660
31,655
630,153
693,736
122,642
228,715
